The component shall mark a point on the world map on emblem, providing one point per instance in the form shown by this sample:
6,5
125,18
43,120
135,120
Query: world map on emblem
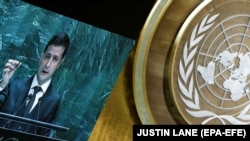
236,82
223,64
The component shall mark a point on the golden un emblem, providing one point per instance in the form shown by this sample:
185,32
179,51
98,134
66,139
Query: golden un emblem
206,73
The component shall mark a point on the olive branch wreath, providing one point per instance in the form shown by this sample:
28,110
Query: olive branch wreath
190,95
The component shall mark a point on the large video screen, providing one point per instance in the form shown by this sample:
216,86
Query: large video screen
85,78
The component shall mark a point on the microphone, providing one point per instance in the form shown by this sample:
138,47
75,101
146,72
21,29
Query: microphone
29,96
25,101
38,112
20,107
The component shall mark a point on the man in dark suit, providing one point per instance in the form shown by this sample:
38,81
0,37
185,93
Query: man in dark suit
17,94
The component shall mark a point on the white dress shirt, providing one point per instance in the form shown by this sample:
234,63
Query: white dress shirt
40,93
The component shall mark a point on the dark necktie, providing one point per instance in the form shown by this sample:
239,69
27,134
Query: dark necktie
32,99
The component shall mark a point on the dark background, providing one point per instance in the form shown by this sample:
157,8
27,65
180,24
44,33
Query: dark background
124,17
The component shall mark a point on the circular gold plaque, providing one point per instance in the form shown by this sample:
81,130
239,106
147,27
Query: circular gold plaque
191,64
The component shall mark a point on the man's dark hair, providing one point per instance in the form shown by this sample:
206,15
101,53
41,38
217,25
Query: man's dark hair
59,39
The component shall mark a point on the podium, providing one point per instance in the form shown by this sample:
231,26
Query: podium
14,135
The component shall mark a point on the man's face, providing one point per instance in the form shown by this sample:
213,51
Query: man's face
50,61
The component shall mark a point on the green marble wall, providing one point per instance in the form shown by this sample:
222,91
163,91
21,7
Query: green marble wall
89,72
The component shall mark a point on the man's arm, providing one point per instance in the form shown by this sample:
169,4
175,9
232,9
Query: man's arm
8,71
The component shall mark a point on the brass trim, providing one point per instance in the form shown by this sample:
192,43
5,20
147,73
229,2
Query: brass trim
143,45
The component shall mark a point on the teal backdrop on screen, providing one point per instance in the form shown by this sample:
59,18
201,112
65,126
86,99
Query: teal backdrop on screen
91,67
